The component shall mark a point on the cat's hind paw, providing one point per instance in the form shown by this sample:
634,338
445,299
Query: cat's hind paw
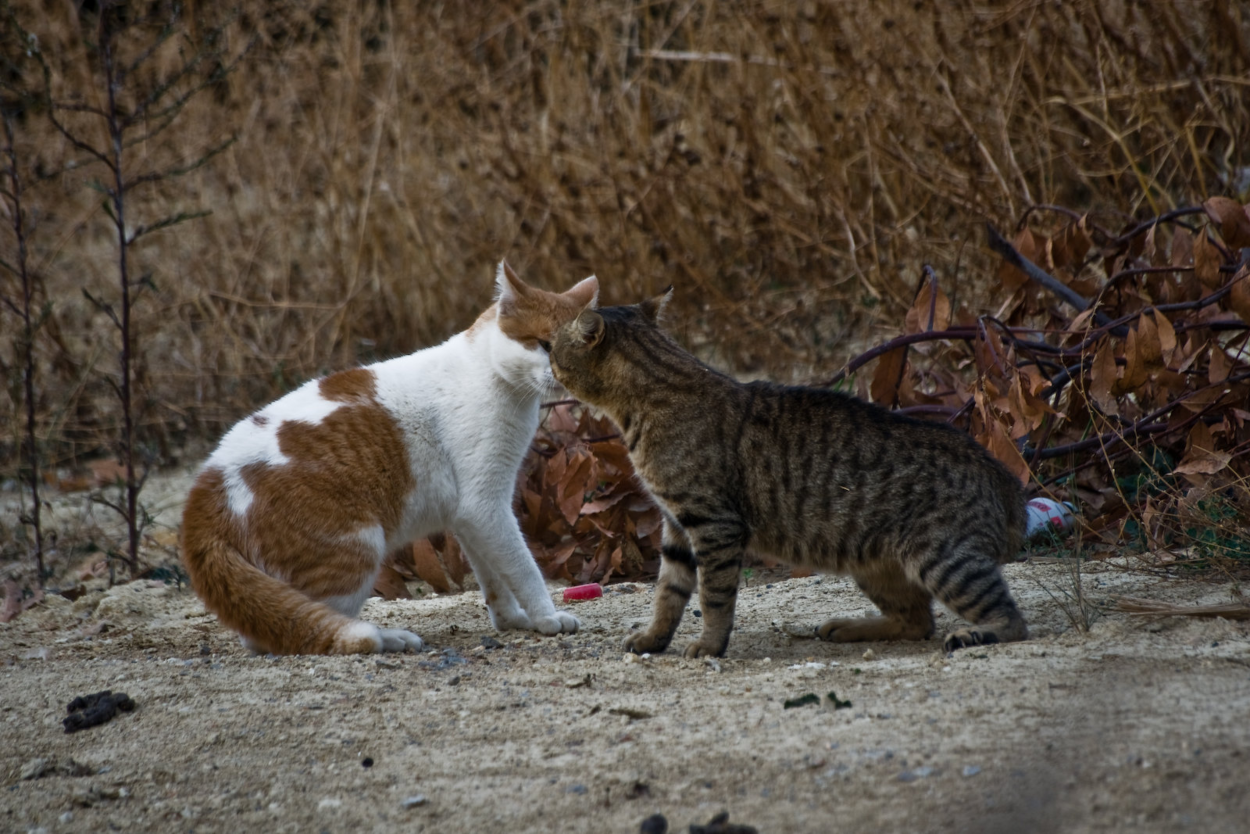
561,622
699,649
398,640
643,642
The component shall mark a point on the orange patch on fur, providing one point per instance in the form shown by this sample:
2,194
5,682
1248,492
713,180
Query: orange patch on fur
269,612
488,315
301,539
534,316
346,474
345,386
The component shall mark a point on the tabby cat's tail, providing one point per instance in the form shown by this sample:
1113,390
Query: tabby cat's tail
269,614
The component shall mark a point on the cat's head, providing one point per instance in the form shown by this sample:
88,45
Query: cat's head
589,356
525,321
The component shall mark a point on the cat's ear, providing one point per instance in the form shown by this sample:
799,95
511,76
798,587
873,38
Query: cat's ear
654,306
590,327
585,293
509,288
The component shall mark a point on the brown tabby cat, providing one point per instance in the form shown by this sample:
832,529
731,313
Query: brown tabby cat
911,510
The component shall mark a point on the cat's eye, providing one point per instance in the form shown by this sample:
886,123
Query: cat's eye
545,345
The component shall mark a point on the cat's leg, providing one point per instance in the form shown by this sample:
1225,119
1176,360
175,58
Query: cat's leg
969,583
719,545
672,591
906,608
495,540
505,612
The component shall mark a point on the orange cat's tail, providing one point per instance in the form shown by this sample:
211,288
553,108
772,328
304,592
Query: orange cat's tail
269,614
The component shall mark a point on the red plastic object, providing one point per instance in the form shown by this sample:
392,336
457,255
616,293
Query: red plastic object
581,592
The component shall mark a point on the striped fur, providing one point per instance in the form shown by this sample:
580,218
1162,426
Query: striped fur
912,510
288,523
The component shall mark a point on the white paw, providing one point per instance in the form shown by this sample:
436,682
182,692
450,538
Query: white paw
558,623
398,640
508,620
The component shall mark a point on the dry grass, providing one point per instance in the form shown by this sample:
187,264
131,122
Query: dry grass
787,166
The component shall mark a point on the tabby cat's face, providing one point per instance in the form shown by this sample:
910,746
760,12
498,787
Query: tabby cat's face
579,356
591,356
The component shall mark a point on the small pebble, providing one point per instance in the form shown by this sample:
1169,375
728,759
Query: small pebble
34,768
869,654
414,801
329,804
489,642
366,762
971,770
577,789
907,776
68,816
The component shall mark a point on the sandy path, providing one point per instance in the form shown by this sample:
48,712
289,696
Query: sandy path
1132,726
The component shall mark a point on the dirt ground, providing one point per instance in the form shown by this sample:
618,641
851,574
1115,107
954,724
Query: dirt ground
1136,725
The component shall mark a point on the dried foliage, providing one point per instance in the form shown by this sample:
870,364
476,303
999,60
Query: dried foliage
787,166
1135,407
585,515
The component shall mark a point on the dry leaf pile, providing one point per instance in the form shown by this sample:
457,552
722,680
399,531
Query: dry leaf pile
585,515
1114,374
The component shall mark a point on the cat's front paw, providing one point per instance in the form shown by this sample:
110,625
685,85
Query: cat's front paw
561,622
643,642
966,638
510,620
699,649
398,640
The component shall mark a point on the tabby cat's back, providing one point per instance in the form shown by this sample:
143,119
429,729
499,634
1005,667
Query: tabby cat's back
911,509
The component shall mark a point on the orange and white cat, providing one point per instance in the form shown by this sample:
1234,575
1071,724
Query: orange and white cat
287,524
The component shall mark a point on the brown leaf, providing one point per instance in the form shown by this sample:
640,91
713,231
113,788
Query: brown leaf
454,562
1027,245
1002,447
989,353
1167,336
1203,462
888,376
389,584
601,504
1141,353
1233,219
1207,262
1182,248
1029,410
1219,368
572,491
1103,378
428,567
917,318
1069,246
